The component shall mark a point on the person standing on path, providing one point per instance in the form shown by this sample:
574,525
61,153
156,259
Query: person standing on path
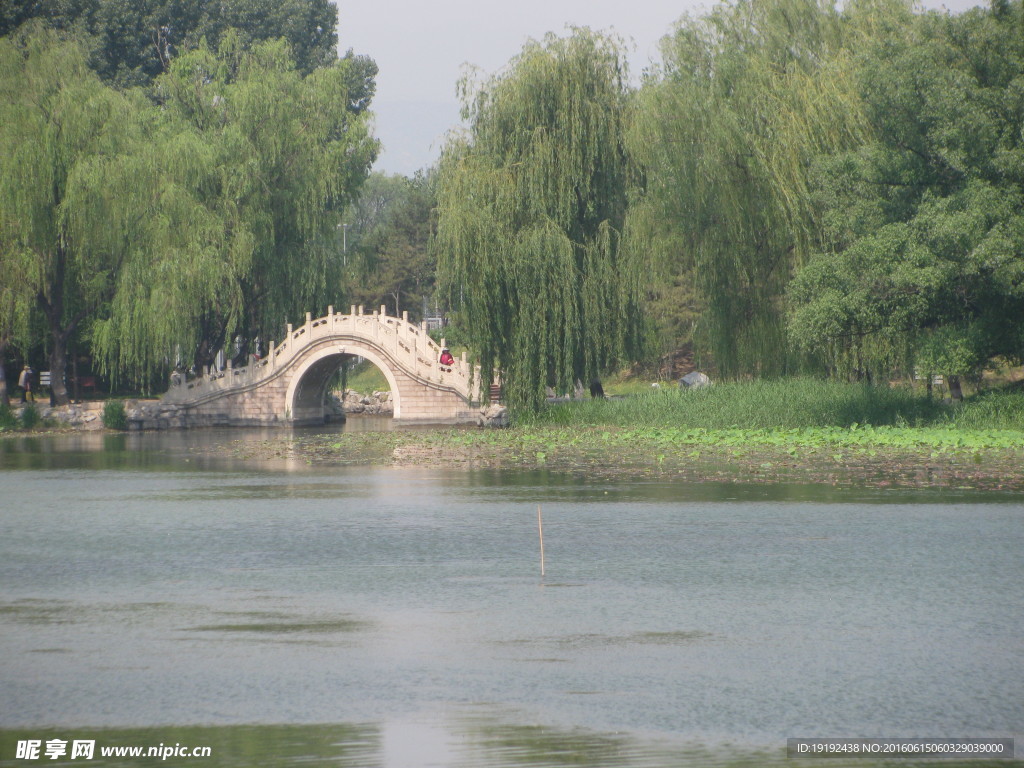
25,382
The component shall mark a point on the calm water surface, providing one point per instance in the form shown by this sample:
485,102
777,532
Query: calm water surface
153,591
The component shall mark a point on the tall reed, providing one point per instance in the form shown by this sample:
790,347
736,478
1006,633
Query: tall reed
762,404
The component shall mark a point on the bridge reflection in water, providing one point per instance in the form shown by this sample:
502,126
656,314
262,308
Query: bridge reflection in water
289,385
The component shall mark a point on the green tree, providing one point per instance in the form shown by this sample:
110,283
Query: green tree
389,243
925,222
257,163
748,95
72,184
132,42
531,205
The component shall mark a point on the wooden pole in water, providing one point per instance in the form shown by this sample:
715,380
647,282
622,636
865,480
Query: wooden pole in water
540,531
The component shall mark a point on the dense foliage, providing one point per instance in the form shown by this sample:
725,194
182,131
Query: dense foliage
157,226
808,188
131,42
747,96
258,163
844,189
922,259
531,206
72,181
387,244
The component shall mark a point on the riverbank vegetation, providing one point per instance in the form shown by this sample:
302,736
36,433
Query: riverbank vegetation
864,457
792,431
789,403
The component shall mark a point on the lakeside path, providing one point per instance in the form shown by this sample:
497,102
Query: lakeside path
858,457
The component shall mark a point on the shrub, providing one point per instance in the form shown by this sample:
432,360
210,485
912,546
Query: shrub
114,416
29,417
991,410
7,418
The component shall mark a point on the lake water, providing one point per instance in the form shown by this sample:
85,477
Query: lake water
154,590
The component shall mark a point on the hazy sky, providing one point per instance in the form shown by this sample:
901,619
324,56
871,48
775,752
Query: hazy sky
422,47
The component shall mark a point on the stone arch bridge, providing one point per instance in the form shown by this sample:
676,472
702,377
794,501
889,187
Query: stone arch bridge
289,385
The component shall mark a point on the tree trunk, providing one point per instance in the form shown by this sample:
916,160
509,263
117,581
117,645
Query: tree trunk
955,392
52,305
4,397
59,335
58,364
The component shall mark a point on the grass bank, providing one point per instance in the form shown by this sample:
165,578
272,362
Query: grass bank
787,404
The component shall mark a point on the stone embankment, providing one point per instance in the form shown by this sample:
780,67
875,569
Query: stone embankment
141,414
77,416
144,415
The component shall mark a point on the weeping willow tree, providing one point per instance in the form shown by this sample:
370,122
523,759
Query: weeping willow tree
531,204
256,162
16,300
726,132
72,182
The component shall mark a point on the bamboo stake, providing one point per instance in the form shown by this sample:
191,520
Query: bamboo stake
540,531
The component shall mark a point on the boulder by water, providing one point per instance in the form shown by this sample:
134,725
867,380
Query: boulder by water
693,380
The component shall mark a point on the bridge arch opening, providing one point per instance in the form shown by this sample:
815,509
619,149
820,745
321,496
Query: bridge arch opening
307,390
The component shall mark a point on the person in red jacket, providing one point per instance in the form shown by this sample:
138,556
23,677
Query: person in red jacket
446,357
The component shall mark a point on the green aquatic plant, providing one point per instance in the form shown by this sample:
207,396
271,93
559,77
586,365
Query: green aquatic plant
114,416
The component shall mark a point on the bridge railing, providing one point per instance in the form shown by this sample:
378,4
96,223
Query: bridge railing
408,345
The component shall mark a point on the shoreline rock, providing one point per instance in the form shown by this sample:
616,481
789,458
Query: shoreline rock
375,404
